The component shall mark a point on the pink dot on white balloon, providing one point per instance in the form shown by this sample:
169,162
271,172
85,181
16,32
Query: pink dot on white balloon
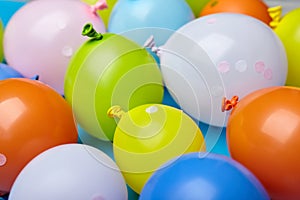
259,66
224,67
2,159
211,20
268,74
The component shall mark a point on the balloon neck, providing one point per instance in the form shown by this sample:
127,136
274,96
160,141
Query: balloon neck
100,5
228,104
35,78
275,14
115,111
89,31
150,44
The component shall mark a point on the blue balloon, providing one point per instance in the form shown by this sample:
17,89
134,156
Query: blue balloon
8,72
139,19
202,176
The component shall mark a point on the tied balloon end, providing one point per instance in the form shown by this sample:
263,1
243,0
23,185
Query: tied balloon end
115,111
150,44
89,31
35,78
100,5
228,104
275,14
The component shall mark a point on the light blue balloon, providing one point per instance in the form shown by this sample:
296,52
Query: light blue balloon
139,19
203,176
8,9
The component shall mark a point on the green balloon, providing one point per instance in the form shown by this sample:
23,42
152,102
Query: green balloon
197,5
1,41
110,70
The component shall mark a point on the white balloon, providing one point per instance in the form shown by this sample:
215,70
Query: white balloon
220,55
42,37
71,171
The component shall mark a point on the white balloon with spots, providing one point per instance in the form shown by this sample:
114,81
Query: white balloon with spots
220,55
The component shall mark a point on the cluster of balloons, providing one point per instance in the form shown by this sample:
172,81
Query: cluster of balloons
125,99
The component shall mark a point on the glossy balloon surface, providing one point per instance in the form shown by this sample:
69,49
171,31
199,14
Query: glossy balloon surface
148,136
203,176
263,134
33,118
71,171
42,36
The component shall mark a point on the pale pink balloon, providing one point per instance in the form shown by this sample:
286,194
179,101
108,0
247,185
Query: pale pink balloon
42,36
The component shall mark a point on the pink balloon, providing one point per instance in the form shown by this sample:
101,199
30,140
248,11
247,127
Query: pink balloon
42,36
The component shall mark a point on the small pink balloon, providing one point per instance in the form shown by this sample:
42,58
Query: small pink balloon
42,36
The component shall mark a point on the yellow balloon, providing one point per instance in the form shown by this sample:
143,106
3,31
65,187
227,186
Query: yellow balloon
104,14
288,31
150,135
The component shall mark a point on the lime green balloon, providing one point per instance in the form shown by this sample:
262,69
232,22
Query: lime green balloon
197,5
1,41
110,70
288,31
150,135
105,14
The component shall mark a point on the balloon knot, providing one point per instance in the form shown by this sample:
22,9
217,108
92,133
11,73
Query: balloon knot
275,14
227,104
88,30
100,5
115,111
150,43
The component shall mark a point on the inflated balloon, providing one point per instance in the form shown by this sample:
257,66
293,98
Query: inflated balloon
139,19
288,31
110,70
220,55
253,8
197,5
148,136
71,171
264,135
8,72
33,118
107,148
203,176
1,41
51,29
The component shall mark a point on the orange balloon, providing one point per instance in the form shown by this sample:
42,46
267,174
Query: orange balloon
33,118
255,8
263,133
